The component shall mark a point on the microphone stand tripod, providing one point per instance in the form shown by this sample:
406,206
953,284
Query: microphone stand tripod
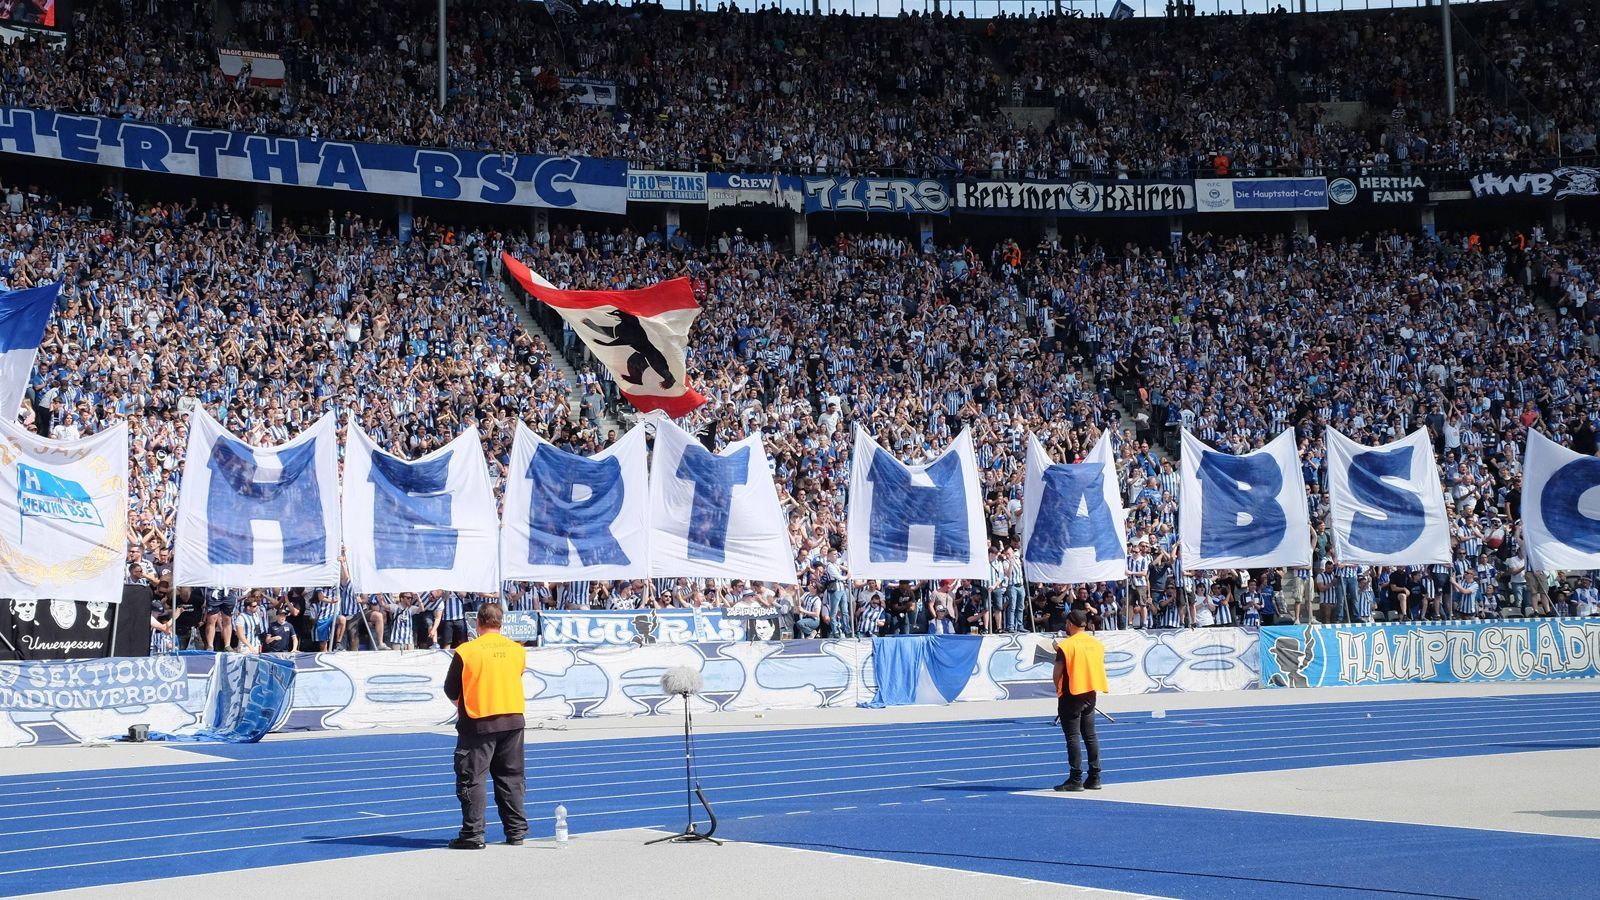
691,790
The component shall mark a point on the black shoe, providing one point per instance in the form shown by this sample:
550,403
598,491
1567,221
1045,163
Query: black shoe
1092,783
1071,784
514,841
464,844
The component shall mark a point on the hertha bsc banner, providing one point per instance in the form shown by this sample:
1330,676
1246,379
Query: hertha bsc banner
639,335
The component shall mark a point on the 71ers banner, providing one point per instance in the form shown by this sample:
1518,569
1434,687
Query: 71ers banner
639,335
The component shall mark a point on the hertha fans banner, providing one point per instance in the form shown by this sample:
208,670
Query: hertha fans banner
639,335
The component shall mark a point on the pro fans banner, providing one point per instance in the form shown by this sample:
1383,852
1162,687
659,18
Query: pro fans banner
258,517
1074,528
640,335
716,515
1386,506
1243,512
422,525
63,515
920,521
1560,518
573,518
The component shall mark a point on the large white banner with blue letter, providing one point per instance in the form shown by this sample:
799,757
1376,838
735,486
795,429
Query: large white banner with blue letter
715,515
258,517
63,515
1386,506
576,518
1074,529
421,525
1560,507
1243,512
921,521
24,315
557,182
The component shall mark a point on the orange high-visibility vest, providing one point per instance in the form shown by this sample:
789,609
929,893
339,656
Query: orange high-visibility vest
491,676
1085,659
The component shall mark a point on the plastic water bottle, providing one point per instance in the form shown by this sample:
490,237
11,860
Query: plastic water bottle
561,827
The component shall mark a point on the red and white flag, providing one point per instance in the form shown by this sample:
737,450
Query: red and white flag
639,335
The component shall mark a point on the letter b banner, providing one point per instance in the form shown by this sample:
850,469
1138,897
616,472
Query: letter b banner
1246,511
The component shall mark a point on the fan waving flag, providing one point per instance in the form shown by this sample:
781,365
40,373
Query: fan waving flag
639,335
23,317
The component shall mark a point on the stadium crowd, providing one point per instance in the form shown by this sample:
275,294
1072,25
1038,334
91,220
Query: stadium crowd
1476,337
914,94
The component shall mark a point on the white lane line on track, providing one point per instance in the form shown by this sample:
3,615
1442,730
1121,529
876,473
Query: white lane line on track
1276,757
1309,714
97,804
842,808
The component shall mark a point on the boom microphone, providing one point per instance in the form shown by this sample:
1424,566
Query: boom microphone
682,680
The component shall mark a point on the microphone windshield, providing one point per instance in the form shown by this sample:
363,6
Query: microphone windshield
682,680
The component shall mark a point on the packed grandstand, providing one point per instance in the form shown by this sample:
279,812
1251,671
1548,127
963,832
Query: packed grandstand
1472,321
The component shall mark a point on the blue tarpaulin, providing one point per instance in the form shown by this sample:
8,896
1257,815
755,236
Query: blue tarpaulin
924,668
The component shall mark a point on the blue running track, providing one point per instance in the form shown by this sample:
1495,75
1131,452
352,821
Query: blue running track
938,793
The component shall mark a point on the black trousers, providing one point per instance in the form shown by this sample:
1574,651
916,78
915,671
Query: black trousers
1077,720
499,754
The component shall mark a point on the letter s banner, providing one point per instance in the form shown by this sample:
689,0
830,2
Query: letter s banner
1386,504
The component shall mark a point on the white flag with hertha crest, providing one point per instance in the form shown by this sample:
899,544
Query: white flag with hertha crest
640,335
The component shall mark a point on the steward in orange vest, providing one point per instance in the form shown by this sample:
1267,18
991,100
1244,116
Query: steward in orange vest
485,681
1080,676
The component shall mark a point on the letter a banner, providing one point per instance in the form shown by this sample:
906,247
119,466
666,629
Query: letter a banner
1560,512
422,525
923,521
63,515
576,518
1074,529
1386,506
258,516
716,515
1243,512
640,335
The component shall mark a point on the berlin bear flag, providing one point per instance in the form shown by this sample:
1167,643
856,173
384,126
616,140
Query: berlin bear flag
1560,506
1243,512
576,518
716,515
423,524
1073,525
1385,504
921,521
640,335
258,516
63,515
